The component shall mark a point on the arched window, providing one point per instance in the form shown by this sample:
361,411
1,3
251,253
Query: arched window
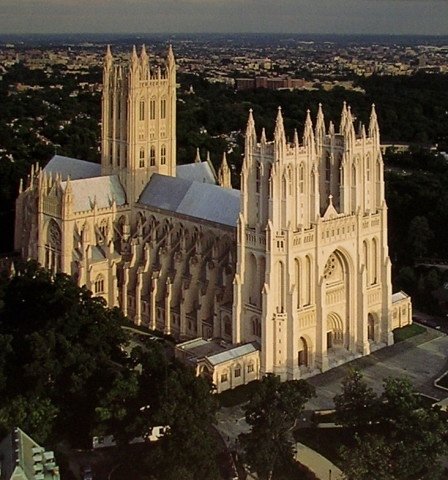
142,110
281,287
103,230
301,189
257,177
328,169
99,284
163,155
152,156
227,326
368,166
374,261
163,108
298,282
303,353
53,247
308,279
152,109
256,327
142,157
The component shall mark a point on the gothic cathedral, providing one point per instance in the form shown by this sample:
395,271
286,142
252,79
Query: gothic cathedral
292,276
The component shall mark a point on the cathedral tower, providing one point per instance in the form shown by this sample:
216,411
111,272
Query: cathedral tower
138,120
312,281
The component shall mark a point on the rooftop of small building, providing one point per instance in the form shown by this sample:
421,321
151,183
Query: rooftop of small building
215,351
396,297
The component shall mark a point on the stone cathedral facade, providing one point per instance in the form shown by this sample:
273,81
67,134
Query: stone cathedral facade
290,275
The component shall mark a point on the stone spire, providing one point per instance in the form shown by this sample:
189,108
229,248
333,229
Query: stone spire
170,60
343,118
320,124
296,138
144,58
108,58
279,136
263,136
198,156
250,129
224,179
134,58
374,131
308,135
279,133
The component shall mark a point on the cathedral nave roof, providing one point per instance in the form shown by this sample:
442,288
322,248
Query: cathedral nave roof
197,171
72,167
193,199
101,191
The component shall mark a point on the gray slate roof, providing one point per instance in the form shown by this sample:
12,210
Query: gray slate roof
102,190
197,171
193,199
72,167
233,353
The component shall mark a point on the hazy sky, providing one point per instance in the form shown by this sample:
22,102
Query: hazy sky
288,16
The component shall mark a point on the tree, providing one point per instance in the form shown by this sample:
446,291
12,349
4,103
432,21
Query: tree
63,349
356,405
371,455
419,235
272,413
401,438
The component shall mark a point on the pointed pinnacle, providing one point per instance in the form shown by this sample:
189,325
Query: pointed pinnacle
279,128
134,56
198,156
263,135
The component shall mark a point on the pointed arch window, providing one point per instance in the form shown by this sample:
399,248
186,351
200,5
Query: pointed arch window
368,167
99,284
152,156
142,157
328,169
141,114
301,179
163,155
163,108
257,177
152,109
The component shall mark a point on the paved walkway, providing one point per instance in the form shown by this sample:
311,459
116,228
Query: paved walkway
319,465
421,358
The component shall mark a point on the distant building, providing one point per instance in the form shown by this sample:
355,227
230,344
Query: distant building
270,83
292,272
21,458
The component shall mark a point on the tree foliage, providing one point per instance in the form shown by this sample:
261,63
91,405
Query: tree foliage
59,347
272,413
398,437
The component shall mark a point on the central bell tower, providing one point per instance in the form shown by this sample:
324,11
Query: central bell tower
138,133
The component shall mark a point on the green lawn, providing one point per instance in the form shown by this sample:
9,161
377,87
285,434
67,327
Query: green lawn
408,331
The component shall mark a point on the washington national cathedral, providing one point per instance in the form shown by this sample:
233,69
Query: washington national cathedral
290,274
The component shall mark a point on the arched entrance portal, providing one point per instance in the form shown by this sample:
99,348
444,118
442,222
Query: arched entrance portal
335,331
303,359
337,301
371,327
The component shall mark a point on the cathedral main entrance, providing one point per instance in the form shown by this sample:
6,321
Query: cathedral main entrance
336,284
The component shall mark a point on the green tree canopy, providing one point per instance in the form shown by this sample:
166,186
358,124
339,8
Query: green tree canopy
273,413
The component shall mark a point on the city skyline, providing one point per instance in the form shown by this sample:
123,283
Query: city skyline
424,17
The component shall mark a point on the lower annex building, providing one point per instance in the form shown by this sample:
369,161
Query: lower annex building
290,275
